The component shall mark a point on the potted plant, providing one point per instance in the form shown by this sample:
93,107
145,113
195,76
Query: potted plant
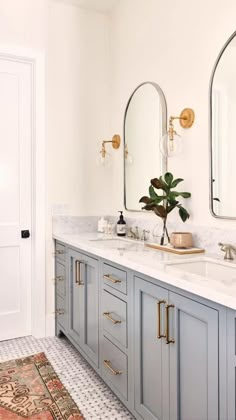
163,202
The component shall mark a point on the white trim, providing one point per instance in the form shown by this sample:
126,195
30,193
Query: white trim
37,61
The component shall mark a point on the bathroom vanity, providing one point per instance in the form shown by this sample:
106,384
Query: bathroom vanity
158,328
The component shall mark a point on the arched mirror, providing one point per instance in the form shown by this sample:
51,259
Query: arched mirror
144,125
222,132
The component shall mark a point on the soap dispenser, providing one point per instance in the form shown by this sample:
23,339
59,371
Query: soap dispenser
121,225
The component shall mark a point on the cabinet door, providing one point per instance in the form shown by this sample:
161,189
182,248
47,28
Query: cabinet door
151,353
231,364
83,313
76,298
194,358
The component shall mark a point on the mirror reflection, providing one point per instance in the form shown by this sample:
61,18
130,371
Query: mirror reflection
223,142
144,125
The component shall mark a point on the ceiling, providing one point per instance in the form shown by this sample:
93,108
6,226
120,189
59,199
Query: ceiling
104,6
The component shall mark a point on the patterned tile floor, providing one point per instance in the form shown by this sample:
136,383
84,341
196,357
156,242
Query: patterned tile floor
93,397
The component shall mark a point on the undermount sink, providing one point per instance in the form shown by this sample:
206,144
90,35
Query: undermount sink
117,243
207,269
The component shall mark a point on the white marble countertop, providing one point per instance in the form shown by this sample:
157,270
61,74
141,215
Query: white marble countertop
156,264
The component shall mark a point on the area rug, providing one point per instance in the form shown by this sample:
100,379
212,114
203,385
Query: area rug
31,389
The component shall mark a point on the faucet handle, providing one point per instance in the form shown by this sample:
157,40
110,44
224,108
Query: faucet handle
145,235
136,232
227,248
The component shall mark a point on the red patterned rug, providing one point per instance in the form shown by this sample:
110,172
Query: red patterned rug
30,389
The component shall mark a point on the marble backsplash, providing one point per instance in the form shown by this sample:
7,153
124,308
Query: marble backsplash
206,237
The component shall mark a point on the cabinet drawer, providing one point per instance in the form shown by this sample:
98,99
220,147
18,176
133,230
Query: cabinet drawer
115,367
60,279
114,277
60,311
114,318
60,251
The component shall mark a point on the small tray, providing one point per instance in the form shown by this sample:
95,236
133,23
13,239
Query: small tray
179,251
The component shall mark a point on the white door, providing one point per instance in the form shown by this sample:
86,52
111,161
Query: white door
15,197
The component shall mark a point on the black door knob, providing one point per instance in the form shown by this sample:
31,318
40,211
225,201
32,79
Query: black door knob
25,234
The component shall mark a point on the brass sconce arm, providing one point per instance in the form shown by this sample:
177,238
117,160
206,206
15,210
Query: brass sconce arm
186,118
115,141
115,144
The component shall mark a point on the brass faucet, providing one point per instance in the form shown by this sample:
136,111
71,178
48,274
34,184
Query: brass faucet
228,249
132,234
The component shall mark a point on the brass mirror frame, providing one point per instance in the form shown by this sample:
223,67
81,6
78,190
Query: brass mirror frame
164,129
210,131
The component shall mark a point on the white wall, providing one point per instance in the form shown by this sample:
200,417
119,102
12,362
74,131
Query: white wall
176,45
77,117
23,23
78,99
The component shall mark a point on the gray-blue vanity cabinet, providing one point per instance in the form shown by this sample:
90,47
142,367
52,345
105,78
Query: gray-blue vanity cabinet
177,380
187,379
83,303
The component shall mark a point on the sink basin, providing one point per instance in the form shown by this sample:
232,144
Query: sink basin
222,272
117,243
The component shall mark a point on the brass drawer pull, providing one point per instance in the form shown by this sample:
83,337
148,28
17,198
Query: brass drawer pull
115,372
108,277
78,281
168,340
159,335
59,278
58,252
107,315
59,312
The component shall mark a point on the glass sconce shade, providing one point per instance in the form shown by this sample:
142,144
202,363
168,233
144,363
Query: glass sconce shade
104,161
128,157
171,146
104,158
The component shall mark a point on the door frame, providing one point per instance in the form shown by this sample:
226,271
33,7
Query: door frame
36,59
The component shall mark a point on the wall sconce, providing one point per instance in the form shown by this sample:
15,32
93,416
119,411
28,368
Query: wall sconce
171,142
104,158
128,156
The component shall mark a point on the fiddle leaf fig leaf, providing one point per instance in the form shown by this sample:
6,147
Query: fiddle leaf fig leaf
168,178
171,206
146,200
184,194
159,199
157,183
183,213
152,193
149,206
176,182
160,211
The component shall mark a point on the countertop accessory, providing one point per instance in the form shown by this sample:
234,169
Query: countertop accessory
168,248
168,197
102,224
181,239
228,249
121,225
170,143
103,158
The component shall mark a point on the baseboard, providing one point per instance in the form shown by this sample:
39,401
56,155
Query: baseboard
50,325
